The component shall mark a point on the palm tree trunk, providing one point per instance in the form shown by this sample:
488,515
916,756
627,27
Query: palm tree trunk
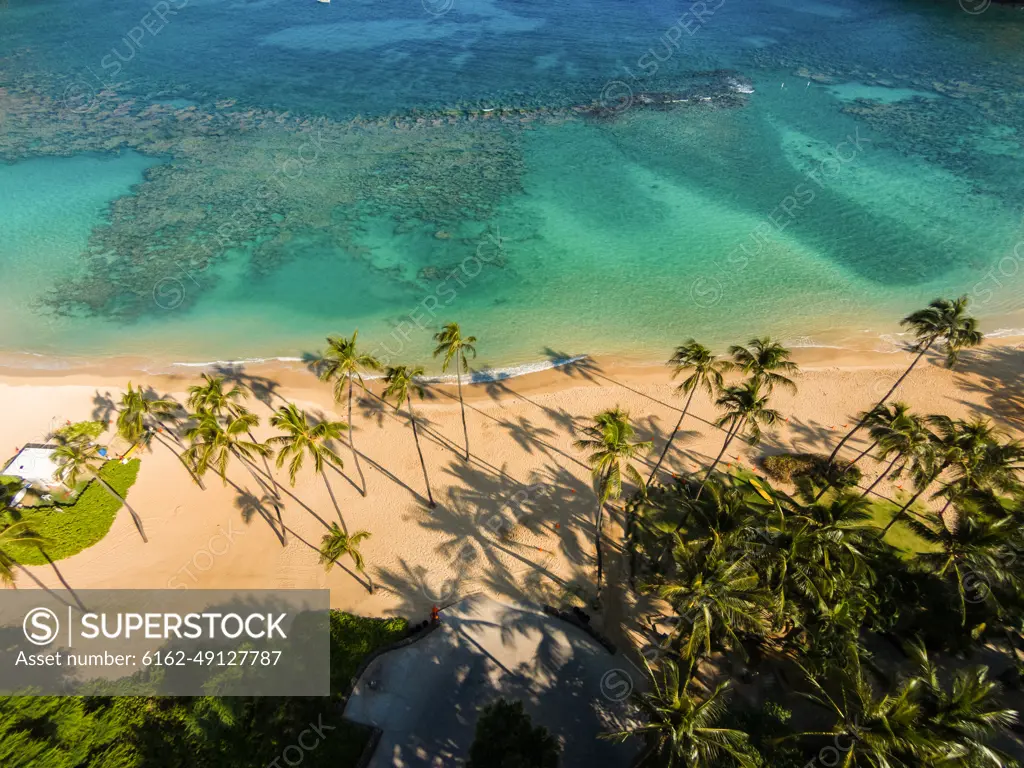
903,509
597,541
330,492
351,440
262,484
631,544
270,475
181,458
864,453
828,483
462,405
878,479
728,439
170,432
135,515
943,468
942,515
672,437
266,468
423,464
598,525
885,397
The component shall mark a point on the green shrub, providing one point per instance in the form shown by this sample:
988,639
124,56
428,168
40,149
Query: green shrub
790,467
87,429
9,486
352,637
201,732
767,729
506,738
68,530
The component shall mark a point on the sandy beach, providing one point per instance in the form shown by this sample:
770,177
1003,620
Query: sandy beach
523,469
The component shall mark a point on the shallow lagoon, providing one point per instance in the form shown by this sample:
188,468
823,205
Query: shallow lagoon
820,207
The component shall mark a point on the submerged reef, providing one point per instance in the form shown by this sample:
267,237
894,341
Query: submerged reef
269,183
970,128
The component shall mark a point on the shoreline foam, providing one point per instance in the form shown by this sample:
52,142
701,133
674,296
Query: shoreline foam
870,338
27,364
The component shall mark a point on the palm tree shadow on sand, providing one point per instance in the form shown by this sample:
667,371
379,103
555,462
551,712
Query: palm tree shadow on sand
581,367
524,432
103,407
252,506
804,436
415,589
498,390
997,375
263,388
555,498
483,522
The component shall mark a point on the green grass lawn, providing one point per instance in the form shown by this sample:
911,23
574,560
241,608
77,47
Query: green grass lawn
900,535
68,530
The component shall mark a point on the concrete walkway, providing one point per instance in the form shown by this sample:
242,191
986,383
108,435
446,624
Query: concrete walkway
426,697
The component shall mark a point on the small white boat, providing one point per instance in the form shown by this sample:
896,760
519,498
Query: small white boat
323,1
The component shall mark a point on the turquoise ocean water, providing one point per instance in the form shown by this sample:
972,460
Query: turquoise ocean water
197,180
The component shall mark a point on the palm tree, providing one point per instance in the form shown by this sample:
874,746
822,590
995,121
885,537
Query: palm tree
978,547
611,446
881,416
999,468
15,533
140,414
981,462
214,444
401,385
762,361
944,319
138,411
681,730
344,363
226,402
957,442
706,374
876,731
454,346
717,596
906,440
7,492
335,544
213,397
746,410
80,457
965,713
302,438
843,541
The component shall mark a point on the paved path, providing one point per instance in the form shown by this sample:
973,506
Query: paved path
426,696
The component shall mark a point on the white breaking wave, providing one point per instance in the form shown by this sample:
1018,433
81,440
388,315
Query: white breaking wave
739,87
806,342
510,372
475,377
894,342
1003,333
243,361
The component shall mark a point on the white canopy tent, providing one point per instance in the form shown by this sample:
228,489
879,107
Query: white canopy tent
35,465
